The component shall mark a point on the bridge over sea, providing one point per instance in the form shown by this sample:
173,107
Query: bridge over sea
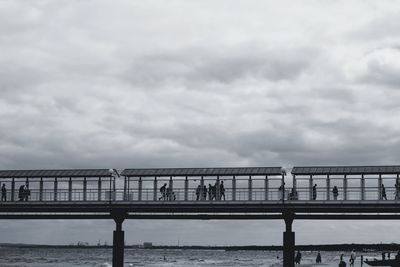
310,192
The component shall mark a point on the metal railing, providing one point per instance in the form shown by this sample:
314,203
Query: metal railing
180,194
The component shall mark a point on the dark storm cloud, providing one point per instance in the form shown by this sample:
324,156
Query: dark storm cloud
89,84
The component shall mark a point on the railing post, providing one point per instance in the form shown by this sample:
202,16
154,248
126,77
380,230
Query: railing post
13,189
362,187
70,189
397,187
41,189
345,187
201,187
84,189
125,197
266,187
234,188
171,187
55,189
155,188
186,188
99,189
129,186
328,187
283,186
310,195
380,187
294,182
250,188
140,189
114,190
218,191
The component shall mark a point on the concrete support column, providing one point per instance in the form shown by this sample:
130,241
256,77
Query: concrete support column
155,189
186,189
55,189
99,190
362,187
70,189
250,188
328,187
118,240
41,189
13,189
345,187
266,188
288,240
84,189
140,189
234,188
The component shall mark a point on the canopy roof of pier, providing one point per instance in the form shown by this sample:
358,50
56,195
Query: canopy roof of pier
345,170
56,173
202,171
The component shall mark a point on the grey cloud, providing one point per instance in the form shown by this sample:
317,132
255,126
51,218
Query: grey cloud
221,65
380,28
378,74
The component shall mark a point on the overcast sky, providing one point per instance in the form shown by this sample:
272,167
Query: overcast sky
131,84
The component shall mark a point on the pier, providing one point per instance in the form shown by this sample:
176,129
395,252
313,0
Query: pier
308,192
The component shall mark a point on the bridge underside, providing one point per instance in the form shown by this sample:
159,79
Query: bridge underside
248,210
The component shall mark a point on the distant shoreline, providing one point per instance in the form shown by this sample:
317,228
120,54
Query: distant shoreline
329,247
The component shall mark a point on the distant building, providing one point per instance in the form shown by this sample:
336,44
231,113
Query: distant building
147,245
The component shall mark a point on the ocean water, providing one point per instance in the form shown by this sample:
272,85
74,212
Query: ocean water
75,257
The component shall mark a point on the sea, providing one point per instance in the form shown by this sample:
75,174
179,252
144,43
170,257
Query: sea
102,257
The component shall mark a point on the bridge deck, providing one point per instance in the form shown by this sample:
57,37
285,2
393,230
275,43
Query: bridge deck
203,207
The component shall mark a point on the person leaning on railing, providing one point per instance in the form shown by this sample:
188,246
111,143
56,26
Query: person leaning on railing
21,193
281,191
293,194
198,191
397,190
162,191
222,190
335,192
314,192
383,192
204,193
4,193
27,193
